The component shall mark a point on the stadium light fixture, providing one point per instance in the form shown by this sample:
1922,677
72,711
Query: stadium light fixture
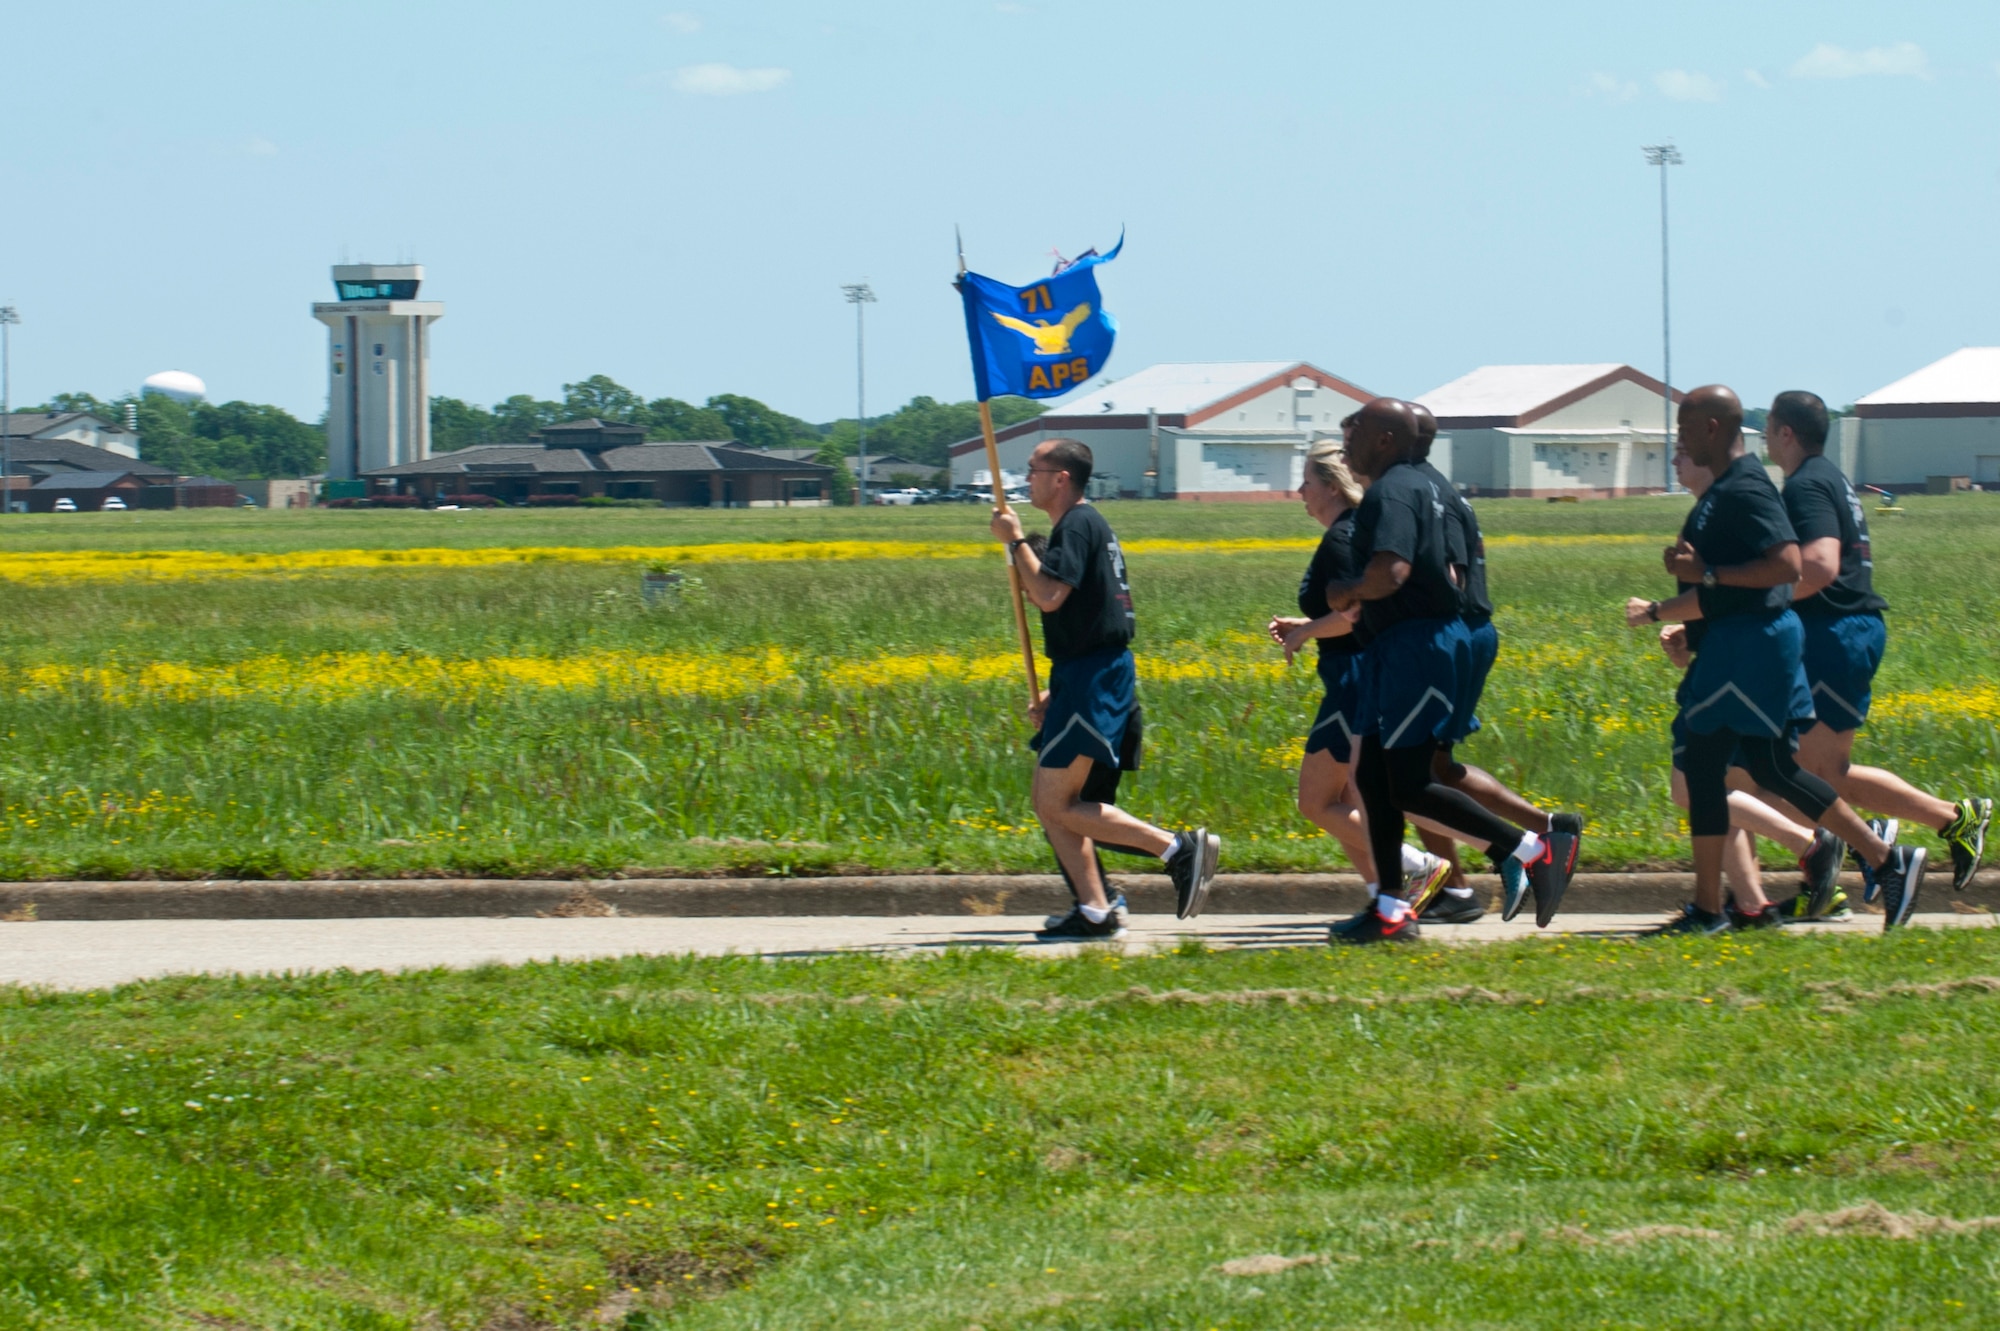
1664,155
859,294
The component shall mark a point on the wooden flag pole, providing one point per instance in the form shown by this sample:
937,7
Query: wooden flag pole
1013,571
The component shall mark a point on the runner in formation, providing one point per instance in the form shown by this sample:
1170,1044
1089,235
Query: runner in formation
1084,716
1415,677
1745,693
1844,639
1327,792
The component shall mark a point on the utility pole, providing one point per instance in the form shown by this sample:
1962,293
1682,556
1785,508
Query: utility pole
858,295
9,316
1664,155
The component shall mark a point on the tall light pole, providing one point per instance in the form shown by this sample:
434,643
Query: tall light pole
9,316
858,295
1664,155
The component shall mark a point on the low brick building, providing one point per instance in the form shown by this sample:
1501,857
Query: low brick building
598,458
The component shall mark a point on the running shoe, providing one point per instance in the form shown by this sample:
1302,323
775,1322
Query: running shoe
1794,909
1694,920
1454,905
1965,835
1770,917
1076,927
1370,927
1885,830
1430,884
1549,876
1821,867
1118,909
1513,887
1192,868
1568,826
1901,877
1348,925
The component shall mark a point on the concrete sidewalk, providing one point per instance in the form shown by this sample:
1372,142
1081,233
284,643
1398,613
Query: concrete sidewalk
890,895
91,955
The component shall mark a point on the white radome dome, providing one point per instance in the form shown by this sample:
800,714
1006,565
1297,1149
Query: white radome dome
176,384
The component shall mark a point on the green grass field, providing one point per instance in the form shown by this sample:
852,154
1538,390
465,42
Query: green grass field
797,715
1759,1131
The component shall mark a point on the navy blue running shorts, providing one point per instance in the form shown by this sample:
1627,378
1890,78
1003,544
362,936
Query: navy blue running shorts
1747,677
1485,650
1091,700
1842,653
1340,710
1410,686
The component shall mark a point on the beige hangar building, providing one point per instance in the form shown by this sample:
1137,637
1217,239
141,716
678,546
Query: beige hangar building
1593,431
1218,431
1942,422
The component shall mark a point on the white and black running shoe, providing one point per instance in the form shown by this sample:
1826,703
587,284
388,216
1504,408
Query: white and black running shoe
1901,877
1454,905
1370,927
1118,909
1192,868
1076,927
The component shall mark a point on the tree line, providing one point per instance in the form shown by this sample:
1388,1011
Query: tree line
246,440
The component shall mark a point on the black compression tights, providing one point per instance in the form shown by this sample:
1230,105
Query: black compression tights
1396,782
1771,766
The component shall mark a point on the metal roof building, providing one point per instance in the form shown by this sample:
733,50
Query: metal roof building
1588,430
698,475
1228,430
1942,421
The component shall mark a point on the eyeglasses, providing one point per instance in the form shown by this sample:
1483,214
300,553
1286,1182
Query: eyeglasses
1047,471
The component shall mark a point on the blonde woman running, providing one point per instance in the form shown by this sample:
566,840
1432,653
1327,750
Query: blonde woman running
1327,794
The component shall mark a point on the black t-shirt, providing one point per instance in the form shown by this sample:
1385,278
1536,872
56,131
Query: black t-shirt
1403,514
1468,546
1821,503
1734,522
1332,562
1098,613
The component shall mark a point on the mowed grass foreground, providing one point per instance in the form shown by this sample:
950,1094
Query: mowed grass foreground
280,694
1768,1130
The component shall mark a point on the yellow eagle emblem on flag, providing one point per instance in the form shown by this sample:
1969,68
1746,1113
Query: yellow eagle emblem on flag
1049,339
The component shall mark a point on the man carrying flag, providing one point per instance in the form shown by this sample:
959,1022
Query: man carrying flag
1038,341
1087,627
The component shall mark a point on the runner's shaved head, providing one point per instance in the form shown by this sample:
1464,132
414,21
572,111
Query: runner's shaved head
1385,432
1427,430
1711,425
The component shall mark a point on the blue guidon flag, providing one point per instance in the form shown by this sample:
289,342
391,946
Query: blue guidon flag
1039,340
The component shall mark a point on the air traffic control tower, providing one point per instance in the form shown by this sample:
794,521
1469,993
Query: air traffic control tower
379,368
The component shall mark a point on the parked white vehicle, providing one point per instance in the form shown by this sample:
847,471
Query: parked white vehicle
903,497
113,504
64,505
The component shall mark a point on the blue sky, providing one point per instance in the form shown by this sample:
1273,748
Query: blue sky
672,194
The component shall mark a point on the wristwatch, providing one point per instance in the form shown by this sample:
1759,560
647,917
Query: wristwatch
1653,611
1708,577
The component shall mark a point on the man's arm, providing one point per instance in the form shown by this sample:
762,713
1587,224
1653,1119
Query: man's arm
1778,565
1820,562
1384,577
1046,592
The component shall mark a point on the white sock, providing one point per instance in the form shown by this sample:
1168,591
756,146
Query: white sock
1172,846
1530,848
1372,889
1415,861
1391,909
1095,914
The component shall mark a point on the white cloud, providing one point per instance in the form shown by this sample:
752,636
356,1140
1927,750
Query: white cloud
1612,88
1755,78
726,80
681,22
259,146
1825,61
1681,85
